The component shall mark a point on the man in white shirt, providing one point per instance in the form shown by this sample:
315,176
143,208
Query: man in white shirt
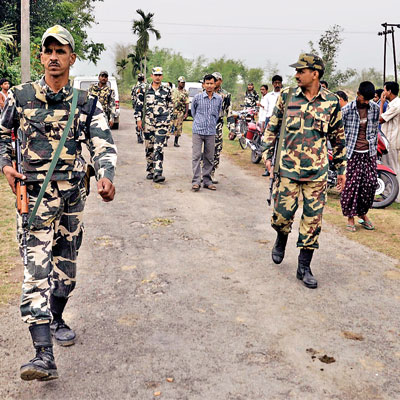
262,115
270,100
272,97
390,120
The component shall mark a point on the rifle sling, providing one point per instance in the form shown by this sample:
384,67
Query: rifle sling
56,157
282,132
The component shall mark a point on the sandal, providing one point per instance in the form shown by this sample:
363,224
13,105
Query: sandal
351,228
366,224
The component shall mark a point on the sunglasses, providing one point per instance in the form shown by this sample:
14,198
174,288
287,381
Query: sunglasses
104,75
157,74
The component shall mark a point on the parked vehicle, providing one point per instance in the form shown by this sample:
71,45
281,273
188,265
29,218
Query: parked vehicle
242,119
193,88
253,138
84,82
388,186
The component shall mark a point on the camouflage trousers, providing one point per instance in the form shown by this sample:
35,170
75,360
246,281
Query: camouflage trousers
53,244
218,144
175,127
154,140
286,202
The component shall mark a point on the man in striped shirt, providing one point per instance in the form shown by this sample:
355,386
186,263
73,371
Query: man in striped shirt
206,107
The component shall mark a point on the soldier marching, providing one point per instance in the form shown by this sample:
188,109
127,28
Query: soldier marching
139,85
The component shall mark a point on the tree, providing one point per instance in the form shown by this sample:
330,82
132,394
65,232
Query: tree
142,28
329,44
122,64
74,15
136,62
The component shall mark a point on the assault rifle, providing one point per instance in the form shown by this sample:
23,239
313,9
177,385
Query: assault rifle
22,200
274,174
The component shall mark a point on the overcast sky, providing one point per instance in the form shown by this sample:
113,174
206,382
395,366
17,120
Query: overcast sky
256,32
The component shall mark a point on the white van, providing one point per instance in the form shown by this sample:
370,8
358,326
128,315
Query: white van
193,88
84,82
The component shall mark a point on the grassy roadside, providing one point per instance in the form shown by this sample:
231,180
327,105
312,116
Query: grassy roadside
9,260
386,236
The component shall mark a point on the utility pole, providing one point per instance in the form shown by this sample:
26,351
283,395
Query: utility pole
25,42
385,33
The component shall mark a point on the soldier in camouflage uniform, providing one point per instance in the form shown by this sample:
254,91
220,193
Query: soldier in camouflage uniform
153,114
140,84
40,111
105,95
180,98
251,97
313,118
225,110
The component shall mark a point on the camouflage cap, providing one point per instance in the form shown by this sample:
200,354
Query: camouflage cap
157,71
217,75
307,60
60,34
181,79
103,73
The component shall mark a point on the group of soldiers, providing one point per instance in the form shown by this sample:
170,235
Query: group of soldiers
159,113
52,121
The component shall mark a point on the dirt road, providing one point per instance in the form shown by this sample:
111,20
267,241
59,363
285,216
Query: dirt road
177,298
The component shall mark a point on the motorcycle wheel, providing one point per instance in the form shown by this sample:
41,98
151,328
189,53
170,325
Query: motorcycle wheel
243,142
387,191
243,127
255,157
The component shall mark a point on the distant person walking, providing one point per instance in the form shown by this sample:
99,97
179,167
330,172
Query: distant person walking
251,97
263,105
272,97
206,108
360,119
140,84
390,121
4,86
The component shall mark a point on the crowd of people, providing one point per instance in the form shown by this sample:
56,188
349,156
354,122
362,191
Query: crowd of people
54,120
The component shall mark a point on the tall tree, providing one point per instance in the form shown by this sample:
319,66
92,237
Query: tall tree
329,45
142,28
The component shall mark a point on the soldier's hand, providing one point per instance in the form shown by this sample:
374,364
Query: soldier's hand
106,189
268,165
12,174
341,180
139,125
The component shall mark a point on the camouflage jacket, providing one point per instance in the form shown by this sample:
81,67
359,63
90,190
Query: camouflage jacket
134,91
309,124
226,109
159,105
180,98
106,96
41,116
251,99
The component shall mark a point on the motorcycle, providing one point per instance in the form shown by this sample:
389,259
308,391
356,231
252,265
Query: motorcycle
242,119
388,186
253,138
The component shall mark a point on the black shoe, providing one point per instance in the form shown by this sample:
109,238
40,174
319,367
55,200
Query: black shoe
213,180
266,173
159,178
140,139
43,366
176,144
166,142
278,251
304,271
62,333
150,175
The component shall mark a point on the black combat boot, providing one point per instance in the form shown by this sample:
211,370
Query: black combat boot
158,178
304,271
176,144
140,138
278,251
43,366
166,141
62,333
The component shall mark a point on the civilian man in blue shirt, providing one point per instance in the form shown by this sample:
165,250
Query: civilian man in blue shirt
206,107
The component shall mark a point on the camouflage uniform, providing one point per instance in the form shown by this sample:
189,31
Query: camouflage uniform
56,233
106,97
225,110
251,99
134,91
180,98
304,159
155,123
